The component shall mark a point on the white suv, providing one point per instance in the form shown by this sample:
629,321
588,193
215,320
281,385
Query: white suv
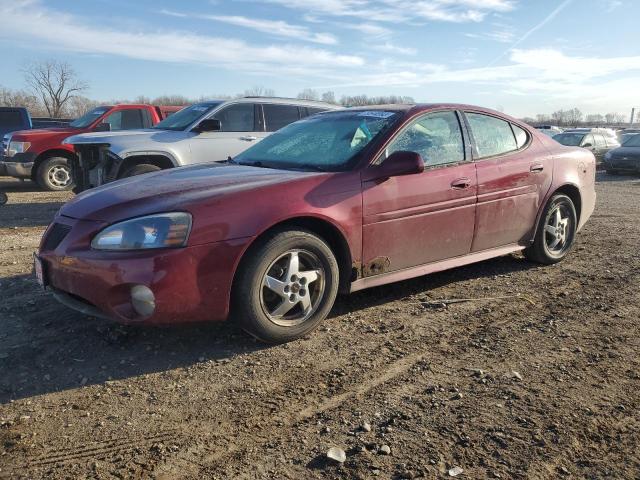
204,132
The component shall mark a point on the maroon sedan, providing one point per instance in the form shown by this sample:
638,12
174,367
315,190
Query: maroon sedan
336,202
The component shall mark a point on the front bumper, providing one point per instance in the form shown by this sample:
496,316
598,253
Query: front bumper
190,284
19,166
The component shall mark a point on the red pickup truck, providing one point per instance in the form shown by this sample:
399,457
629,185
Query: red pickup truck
41,156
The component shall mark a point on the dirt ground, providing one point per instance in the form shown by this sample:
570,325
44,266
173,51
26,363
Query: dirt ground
541,385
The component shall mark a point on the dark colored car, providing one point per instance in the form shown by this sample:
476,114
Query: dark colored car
624,159
11,119
337,202
596,142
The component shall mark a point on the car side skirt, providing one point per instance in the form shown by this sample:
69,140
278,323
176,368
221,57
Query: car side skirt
412,272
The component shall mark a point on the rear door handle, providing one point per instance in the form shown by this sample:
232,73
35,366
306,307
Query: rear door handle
536,168
248,138
461,183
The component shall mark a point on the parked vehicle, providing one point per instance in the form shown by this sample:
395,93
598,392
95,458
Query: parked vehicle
626,158
339,201
11,119
41,156
626,134
595,141
549,130
204,132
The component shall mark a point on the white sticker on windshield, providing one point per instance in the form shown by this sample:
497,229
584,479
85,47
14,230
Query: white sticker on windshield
376,114
200,109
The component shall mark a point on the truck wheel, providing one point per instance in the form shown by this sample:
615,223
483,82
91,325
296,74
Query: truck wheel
54,174
140,169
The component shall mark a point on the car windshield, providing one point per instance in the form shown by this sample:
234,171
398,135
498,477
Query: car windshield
633,140
185,117
89,117
569,139
325,142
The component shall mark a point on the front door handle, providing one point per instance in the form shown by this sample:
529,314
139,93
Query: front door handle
248,138
536,168
461,183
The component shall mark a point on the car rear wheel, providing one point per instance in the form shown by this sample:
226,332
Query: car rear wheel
54,174
556,232
286,286
140,169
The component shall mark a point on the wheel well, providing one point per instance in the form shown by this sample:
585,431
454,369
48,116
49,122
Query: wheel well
157,160
573,193
326,231
48,154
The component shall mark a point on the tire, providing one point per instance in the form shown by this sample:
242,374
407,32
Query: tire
54,174
542,250
140,169
256,306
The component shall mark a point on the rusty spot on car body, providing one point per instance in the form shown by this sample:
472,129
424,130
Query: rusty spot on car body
376,266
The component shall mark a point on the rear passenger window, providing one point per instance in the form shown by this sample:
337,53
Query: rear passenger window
600,142
125,119
521,136
435,136
237,118
492,135
278,116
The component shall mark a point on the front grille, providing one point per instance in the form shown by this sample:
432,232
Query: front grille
56,234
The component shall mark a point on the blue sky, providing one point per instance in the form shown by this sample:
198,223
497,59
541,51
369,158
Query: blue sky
522,56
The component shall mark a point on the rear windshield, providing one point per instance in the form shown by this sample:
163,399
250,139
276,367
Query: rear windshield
185,117
569,139
10,119
89,117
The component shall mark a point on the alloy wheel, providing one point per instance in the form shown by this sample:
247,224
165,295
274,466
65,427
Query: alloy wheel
59,176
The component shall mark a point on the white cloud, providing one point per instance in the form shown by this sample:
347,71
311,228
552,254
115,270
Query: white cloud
30,21
272,27
389,47
403,10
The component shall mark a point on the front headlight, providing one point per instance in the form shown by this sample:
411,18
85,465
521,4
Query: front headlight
162,230
17,147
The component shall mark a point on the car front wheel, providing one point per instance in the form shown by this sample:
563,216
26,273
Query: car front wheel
54,174
286,286
556,232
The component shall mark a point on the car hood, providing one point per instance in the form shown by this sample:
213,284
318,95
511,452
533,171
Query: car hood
130,140
177,189
631,152
36,133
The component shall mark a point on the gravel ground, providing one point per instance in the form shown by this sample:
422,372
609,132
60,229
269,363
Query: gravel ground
542,383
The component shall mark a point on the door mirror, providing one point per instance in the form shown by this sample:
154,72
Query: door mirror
587,145
208,125
103,127
397,164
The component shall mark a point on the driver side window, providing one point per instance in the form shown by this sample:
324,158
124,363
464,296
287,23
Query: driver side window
435,136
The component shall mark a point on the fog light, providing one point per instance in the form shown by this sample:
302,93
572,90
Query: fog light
143,300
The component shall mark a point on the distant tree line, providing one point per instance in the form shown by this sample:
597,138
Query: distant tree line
575,118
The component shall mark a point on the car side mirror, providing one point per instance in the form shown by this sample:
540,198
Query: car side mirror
208,125
587,145
103,127
395,165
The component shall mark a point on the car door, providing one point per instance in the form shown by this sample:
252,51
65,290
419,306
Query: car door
514,174
126,119
421,218
600,146
241,126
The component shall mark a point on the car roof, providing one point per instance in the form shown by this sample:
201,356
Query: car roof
283,101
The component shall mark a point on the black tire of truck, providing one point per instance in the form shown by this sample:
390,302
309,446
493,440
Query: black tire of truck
54,174
140,169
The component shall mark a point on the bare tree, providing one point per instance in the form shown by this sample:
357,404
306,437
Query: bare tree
79,105
329,97
309,94
21,98
55,83
259,91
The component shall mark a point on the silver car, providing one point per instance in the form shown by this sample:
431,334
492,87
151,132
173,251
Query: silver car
209,131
